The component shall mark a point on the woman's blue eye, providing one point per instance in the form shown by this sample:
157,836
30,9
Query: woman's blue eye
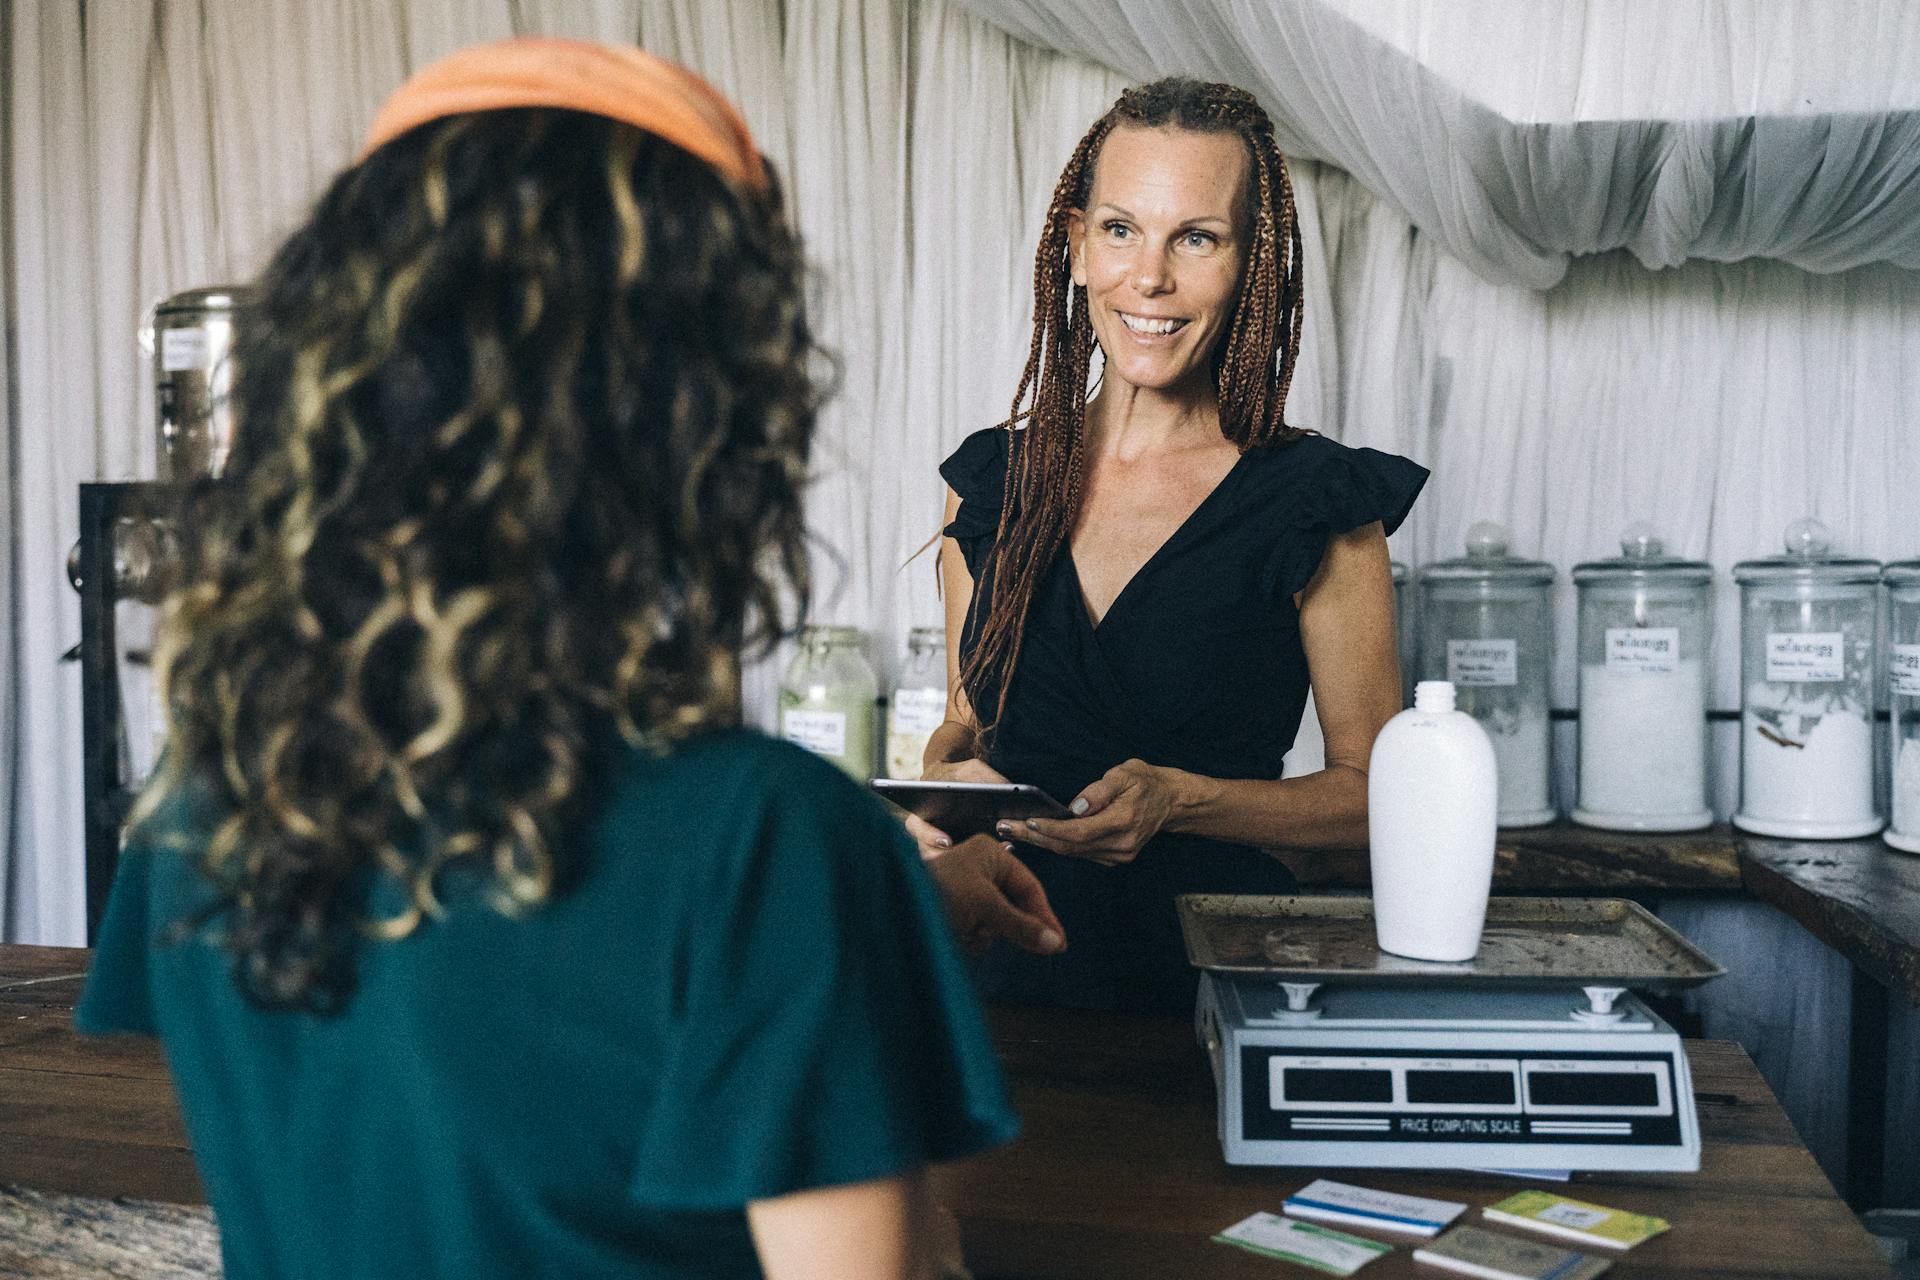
1117,228
1200,239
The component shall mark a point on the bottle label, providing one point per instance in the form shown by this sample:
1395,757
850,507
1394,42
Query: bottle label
821,732
184,349
917,710
1643,650
1483,662
1806,657
1903,670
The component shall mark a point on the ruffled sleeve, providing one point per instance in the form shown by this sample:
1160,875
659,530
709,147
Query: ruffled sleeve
977,472
1340,490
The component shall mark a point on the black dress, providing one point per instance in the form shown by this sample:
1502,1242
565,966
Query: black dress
1197,665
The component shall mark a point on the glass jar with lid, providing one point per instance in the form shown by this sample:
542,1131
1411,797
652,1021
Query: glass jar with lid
828,698
919,702
1903,695
1645,638
1486,625
1806,690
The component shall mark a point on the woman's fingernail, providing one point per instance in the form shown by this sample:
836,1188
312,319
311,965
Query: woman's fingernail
1078,807
942,842
1033,824
1002,830
1007,845
1051,941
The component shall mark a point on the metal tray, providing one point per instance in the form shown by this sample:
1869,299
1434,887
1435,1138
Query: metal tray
1527,942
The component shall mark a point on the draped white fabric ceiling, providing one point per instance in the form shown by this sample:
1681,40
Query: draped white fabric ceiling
1521,132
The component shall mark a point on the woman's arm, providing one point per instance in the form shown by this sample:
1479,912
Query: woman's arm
1347,628
890,1229
953,741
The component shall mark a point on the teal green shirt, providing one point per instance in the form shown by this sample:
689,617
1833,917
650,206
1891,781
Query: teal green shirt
749,991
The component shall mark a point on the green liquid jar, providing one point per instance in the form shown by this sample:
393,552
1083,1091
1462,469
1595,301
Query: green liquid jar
828,699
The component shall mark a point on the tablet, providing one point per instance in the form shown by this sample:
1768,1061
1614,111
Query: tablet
963,809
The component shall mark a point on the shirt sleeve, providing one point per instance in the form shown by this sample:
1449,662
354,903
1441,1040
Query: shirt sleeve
1348,488
977,472
830,1033
119,995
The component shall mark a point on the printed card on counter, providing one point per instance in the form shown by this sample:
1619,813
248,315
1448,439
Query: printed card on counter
1329,1201
1334,1252
1576,1219
1492,1256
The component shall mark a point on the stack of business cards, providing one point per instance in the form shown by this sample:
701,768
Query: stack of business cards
1576,1219
1492,1256
1334,1252
1329,1201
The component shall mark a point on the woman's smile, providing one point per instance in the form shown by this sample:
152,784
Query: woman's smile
1159,250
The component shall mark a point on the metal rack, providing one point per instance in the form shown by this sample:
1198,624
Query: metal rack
101,584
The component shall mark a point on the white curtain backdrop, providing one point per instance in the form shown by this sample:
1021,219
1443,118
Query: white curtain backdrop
158,145
1522,132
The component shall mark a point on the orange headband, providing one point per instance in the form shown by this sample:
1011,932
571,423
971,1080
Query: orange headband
625,84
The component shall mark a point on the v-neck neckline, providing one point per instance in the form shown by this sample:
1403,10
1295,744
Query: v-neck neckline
1079,592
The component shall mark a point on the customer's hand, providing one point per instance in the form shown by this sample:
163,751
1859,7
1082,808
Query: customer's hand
1114,817
989,893
931,839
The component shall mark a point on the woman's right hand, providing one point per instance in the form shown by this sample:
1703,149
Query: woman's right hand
932,840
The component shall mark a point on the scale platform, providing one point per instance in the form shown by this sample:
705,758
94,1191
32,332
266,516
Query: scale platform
1349,1061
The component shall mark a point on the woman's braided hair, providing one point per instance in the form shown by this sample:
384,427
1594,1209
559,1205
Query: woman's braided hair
1253,367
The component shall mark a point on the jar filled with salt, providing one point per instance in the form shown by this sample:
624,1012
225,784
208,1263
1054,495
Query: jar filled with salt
828,698
1903,693
1807,670
1645,636
1486,626
919,702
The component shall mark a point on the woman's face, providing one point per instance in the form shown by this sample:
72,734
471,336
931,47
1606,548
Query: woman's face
1159,248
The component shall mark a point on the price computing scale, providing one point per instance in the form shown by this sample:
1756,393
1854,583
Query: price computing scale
1535,1054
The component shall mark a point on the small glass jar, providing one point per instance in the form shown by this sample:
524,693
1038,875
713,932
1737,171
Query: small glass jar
1645,639
919,702
1403,633
1486,626
1807,670
1903,695
828,698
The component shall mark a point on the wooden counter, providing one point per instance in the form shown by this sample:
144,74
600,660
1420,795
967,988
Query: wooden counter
1118,1176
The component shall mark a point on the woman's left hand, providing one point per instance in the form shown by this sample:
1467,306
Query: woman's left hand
1116,816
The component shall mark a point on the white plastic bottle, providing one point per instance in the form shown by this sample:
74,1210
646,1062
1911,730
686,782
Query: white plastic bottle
1432,804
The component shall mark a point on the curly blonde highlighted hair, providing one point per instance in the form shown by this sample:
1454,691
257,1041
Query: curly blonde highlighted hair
523,420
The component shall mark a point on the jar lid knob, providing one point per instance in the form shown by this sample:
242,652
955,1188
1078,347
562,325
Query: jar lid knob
1641,541
1808,539
1488,540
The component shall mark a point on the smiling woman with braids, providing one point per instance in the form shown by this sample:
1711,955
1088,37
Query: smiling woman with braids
481,941
1141,585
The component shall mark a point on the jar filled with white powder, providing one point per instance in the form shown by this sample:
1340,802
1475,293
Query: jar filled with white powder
1903,696
1807,667
1485,625
1644,640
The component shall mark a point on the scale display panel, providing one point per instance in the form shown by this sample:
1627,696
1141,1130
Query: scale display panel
1480,1079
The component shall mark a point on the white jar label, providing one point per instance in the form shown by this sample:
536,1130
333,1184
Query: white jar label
1483,662
821,732
1903,670
1806,657
184,349
917,710
1643,650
